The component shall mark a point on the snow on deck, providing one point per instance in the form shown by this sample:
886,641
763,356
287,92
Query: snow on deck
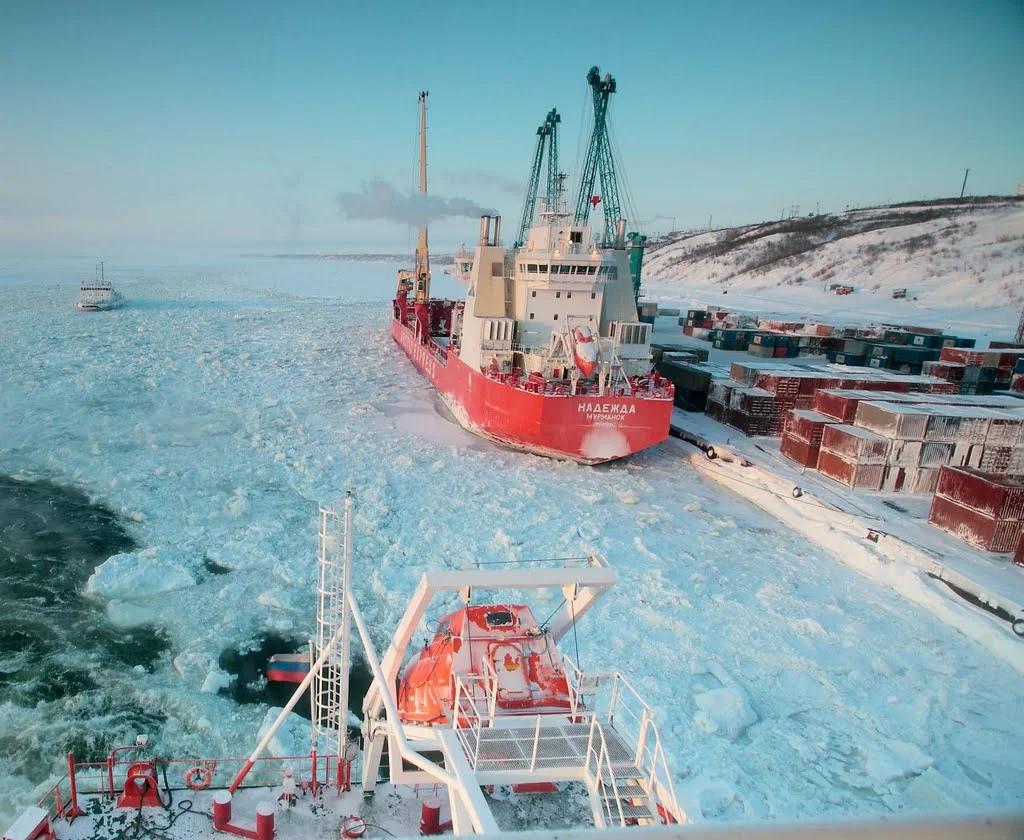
220,406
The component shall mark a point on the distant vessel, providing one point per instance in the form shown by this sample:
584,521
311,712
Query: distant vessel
97,294
546,354
462,264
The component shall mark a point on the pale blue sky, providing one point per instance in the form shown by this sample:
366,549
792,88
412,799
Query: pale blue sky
236,123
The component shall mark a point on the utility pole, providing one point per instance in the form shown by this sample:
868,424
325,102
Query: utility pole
964,186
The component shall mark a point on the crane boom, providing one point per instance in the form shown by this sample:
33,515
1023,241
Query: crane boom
530,204
553,119
422,252
599,156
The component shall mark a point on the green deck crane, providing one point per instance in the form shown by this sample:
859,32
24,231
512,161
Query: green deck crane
547,134
600,159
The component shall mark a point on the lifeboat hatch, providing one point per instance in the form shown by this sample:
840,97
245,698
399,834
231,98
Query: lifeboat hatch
513,685
499,618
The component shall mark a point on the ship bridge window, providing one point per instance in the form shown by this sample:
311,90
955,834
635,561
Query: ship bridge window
558,294
543,269
531,268
499,618
568,294
593,295
591,269
565,269
576,236
533,293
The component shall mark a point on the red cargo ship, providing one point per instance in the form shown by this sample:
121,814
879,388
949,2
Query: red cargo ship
546,353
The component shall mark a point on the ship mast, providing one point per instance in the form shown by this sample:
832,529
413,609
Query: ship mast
422,255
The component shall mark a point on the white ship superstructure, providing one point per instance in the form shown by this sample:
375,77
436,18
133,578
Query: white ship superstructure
98,294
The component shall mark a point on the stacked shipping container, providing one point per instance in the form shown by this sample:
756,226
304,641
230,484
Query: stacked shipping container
981,508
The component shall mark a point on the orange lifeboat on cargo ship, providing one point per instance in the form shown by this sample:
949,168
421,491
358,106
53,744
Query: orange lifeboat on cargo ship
584,350
499,644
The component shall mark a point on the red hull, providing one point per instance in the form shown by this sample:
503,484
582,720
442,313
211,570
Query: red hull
586,428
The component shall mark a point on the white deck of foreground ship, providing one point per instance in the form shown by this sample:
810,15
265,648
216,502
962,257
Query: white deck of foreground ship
992,579
188,817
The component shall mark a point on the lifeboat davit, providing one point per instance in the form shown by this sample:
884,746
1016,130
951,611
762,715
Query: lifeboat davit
501,643
584,350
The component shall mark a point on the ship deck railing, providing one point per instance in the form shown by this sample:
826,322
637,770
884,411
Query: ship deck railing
106,779
561,388
607,738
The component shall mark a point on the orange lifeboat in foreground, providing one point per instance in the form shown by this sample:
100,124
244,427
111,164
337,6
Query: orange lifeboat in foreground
501,644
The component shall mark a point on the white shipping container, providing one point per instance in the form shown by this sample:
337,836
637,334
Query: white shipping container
1016,461
893,479
936,454
922,481
941,426
1005,428
905,453
966,454
891,420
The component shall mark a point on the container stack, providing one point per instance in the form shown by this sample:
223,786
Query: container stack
982,509
794,387
979,371
802,436
923,432
709,322
853,456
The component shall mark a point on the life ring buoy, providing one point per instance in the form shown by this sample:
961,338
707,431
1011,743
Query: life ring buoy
353,827
658,394
198,778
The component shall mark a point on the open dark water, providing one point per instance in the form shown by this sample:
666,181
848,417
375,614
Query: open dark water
61,660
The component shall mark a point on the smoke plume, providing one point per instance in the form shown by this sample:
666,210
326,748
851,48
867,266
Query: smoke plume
380,200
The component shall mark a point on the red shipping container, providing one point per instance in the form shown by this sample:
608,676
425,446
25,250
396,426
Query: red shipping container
857,476
804,453
969,358
808,426
836,404
780,352
975,528
992,495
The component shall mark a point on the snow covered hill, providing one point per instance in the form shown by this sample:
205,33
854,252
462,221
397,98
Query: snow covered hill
947,254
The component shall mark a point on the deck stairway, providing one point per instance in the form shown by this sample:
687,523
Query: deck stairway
607,740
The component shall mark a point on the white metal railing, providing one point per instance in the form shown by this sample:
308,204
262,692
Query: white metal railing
614,702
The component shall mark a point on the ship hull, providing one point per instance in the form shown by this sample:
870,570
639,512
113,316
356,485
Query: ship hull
589,429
